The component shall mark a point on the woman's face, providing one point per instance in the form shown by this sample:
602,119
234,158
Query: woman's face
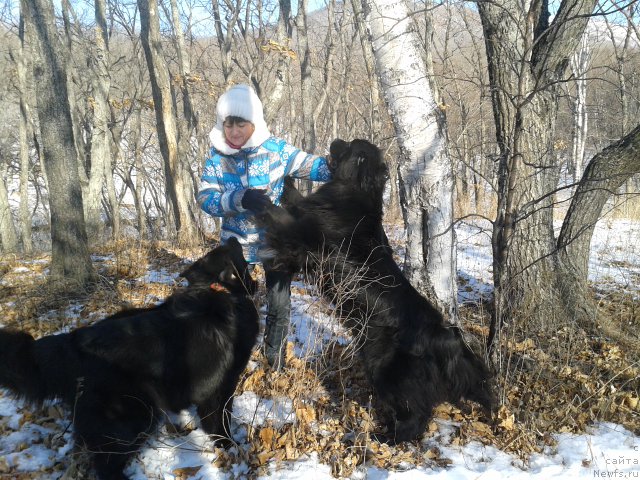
238,132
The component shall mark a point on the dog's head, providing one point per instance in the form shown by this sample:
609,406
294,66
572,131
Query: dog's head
359,162
224,265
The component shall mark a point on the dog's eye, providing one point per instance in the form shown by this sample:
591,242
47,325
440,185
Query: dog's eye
361,159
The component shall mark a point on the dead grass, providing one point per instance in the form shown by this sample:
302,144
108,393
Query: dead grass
28,301
568,379
465,205
627,207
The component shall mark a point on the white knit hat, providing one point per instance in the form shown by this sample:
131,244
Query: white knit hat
239,101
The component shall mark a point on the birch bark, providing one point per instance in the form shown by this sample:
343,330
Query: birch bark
579,65
425,173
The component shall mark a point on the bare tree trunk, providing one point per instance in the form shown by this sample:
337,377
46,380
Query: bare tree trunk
579,64
8,236
426,178
329,66
188,110
527,58
180,192
283,73
143,229
188,125
604,175
224,36
68,19
113,135
339,94
111,201
70,260
25,212
369,62
100,134
24,133
309,140
621,55
394,210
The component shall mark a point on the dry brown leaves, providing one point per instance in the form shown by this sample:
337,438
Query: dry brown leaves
564,382
620,319
185,472
334,419
28,302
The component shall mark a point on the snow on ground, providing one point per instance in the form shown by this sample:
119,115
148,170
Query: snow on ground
614,261
606,451
615,255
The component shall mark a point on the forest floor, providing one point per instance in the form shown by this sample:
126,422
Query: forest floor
568,381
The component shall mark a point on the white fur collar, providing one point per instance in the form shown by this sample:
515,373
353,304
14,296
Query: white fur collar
216,136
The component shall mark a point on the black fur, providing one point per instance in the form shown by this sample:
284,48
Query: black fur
415,360
119,375
290,194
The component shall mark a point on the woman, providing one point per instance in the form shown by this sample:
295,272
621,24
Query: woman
246,170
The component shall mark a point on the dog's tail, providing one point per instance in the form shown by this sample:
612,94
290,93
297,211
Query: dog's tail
19,371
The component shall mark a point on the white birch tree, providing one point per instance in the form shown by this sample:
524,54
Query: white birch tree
425,174
283,35
579,64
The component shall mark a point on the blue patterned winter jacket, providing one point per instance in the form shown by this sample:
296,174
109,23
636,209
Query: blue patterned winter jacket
226,177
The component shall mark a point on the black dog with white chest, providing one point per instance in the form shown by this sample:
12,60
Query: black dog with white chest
119,375
414,360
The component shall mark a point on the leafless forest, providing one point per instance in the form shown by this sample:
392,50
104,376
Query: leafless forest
315,81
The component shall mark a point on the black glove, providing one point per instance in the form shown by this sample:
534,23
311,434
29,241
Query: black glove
256,200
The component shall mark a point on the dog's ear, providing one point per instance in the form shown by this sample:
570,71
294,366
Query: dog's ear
235,255
239,273
337,149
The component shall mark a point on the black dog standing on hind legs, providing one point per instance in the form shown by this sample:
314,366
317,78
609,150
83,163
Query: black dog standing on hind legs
121,374
414,360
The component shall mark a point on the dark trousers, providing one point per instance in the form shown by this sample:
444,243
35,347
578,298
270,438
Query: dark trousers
278,315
